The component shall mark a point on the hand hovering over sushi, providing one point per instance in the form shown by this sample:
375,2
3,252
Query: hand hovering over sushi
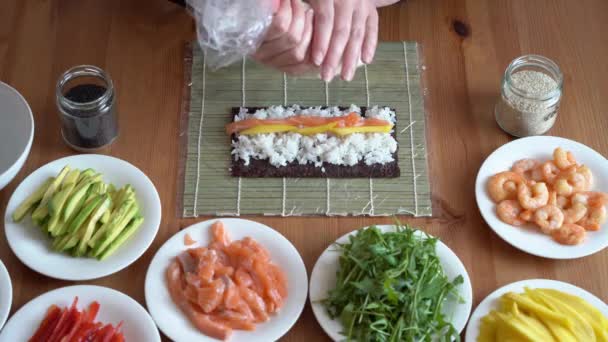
327,36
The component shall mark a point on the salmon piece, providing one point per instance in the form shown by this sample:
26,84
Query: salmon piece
232,296
202,321
219,233
234,320
280,278
258,250
221,270
255,302
242,278
210,297
188,240
270,290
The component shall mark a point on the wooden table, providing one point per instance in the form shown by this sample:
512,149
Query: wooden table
467,45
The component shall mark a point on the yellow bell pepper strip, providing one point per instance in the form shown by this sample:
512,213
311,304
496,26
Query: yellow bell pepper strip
261,129
362,129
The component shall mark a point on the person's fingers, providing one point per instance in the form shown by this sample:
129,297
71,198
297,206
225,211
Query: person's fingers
339,38
323,27
280,21
289,39
298,69
298,54
352,52
371,37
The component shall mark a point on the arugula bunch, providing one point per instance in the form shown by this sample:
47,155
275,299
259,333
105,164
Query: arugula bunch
391,287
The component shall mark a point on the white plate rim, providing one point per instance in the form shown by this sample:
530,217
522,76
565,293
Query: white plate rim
25,152
159,261
68,291
484,307
482,198
5,281
330,326
152,220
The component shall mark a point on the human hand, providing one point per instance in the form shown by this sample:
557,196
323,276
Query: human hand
344,31
287,42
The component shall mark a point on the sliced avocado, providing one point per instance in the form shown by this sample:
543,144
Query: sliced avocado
113,231
117,215
76,199
122,237
42,209
58,201
84,213
86,174
101,208
31,200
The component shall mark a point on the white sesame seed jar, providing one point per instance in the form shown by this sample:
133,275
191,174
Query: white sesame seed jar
530,96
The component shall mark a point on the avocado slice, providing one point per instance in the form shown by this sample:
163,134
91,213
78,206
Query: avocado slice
117,215
113,231
84,213
31,200
76,199
59,200
126,233
42,210
101,208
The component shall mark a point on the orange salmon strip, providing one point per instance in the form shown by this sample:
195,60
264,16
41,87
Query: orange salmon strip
353,119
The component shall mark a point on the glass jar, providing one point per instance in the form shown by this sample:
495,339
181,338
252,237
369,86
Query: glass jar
530,95
87,108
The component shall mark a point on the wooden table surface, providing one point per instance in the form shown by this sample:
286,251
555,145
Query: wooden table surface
467,46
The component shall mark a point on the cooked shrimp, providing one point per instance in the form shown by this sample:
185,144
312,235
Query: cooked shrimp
532,197
562,202
562,187
526,215
595,218
552,198
537,174
590,198
569,234
525,167
548,218
563,159
503,185
586,172
572,179
550,172
508,211
574,213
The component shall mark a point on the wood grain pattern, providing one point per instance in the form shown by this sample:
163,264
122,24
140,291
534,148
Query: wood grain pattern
140,43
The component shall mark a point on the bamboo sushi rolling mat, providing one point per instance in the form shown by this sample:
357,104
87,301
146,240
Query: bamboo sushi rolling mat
393,79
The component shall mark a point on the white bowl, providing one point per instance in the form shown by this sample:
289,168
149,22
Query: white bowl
172,321
16,133
526,238
491,302
33,247
323,279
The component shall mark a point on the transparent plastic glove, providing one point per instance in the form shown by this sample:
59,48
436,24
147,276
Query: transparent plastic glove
228,30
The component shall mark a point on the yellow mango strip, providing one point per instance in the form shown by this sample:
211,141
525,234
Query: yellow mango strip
582,330
341,131
316,129
262,129
527,304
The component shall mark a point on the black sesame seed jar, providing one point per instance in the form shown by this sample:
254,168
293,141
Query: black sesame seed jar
87,108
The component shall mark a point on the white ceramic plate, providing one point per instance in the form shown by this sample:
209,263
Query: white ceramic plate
6,294
16,132
532,240
33,247
491,301
173,323
114,308
323,279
